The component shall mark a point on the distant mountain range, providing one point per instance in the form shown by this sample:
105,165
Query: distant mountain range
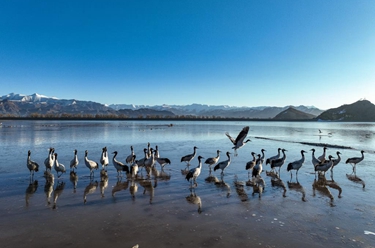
223,111
36,105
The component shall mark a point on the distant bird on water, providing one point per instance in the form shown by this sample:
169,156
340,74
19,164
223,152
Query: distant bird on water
90,164
355,160
296,165
213,160
189,157
223,164
195,172
31,165
74,162
239,141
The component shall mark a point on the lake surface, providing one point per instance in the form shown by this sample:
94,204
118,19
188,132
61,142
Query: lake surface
164,211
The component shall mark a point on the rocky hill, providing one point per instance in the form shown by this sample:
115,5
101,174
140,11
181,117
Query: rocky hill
362,110
293,114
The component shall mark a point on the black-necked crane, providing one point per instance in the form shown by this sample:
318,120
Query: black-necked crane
58,167
213,160
74,162
257,169
262,157
296,165
104,160
314,160
31,165
355,160
90,164
48,162
141,162
223,164
195,172
336,161
157,155
268,160
130,158
250,165
163,161
150,162
323,167
240,139
189,157
322,158
119,165
278,162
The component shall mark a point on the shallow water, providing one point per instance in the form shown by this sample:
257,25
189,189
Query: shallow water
163,211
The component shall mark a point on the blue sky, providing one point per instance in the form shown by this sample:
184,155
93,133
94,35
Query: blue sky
216,52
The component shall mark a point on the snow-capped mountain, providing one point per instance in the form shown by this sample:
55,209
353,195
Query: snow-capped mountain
25,105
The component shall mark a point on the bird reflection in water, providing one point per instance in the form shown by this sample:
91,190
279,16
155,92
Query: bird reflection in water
48,187
219,183
276,181
320,186
90,189
354,178
149,186
240,189
73,177
120,186
194,199
160,174
57,192
103,181
258,186
296,186
30,190
133,188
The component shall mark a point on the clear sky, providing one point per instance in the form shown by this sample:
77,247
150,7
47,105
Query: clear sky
216,52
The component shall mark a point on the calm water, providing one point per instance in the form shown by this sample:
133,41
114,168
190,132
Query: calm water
159,212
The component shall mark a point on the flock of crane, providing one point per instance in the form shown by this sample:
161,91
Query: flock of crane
132,166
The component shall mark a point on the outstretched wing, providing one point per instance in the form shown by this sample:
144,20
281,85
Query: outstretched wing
242,135
231,139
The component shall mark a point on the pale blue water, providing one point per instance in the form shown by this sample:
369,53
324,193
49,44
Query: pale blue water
161,215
